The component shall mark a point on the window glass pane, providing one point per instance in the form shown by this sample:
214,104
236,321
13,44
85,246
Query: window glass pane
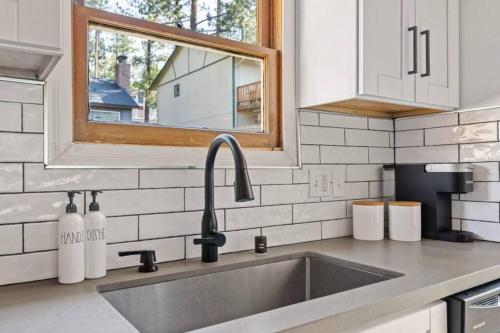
232,19
147,81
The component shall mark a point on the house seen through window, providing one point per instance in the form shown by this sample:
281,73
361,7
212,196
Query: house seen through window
137,79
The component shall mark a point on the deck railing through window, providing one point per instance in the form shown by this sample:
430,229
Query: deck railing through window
249,96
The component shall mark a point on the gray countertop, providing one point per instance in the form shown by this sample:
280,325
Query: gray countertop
432,270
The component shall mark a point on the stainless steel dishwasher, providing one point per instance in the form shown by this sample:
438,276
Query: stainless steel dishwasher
476,310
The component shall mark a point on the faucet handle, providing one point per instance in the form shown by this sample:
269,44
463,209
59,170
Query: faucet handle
215,238
148,258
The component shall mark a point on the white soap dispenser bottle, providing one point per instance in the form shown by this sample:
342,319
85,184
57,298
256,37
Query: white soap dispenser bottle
95,240
71,254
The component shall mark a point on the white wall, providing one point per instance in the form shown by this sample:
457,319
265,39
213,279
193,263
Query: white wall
161,209
479,53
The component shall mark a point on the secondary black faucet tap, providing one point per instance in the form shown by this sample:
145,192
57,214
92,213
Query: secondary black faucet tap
211,239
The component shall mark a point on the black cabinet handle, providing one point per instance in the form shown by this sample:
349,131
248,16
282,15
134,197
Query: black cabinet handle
148,258
415,53
427,35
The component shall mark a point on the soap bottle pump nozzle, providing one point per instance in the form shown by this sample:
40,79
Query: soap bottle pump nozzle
94,205
71,207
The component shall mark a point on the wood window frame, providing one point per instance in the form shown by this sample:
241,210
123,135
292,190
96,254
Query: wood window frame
268,49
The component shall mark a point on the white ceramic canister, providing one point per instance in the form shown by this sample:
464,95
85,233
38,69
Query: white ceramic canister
368,220
405,221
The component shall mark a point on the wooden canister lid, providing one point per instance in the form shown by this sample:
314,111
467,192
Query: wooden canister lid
405,203
368,203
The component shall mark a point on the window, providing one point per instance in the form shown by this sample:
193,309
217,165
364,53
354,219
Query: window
177,72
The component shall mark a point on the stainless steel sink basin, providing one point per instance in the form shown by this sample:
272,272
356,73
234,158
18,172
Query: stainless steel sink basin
202,300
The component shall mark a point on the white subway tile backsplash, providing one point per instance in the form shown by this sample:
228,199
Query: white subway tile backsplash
336,228
246,218
487,171
21,92
456,224
366,138
309,118
295,233
310,154
431,154
10,117
356,191
482,211
160,178
381,155
122,229
38,179
391,139
447,119
349,209
480,152
343,155
263,176
462,134
134,202
31,207
286,194
489,191
480,116
335,120
173,224
320,211
364,172
11,177
322,135
167,249
33,118
40,236
381,124
11,239
410,138
21,147
377,190
239,240
224,198
483,230
28,267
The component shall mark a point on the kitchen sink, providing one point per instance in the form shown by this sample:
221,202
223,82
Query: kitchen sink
205,299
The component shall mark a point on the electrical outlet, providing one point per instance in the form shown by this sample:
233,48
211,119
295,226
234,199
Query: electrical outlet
320,183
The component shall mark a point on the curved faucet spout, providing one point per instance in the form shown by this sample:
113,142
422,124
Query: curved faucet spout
242,192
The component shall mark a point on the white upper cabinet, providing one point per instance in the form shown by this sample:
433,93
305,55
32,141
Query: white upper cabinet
385,57
30,37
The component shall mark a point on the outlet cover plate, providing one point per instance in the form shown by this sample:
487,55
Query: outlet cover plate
320,183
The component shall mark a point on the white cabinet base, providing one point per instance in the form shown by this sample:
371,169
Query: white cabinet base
429,319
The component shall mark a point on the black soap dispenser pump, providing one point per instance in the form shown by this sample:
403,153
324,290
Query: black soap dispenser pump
71,208
94,205
71,238
95,241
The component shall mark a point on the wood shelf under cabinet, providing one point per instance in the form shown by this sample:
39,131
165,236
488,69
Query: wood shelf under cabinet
375,109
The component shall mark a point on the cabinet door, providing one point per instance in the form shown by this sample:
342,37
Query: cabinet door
39,22
437,81
416,322
386,49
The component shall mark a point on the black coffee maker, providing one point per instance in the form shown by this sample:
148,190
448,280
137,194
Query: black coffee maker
433,185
